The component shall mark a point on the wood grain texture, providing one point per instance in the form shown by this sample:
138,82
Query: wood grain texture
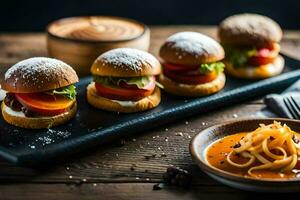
18,46
124,171
132,191
143,158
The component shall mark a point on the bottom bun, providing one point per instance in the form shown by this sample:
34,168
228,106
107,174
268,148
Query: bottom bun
256,72
181,89
19,119
122,106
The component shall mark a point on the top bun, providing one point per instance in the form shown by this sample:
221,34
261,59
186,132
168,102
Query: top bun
249,29
38,75
126,62
191,48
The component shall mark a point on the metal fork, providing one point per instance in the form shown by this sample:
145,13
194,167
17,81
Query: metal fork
292,106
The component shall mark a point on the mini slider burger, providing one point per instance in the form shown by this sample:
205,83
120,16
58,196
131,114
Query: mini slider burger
124,81
191,65
40,93
251,46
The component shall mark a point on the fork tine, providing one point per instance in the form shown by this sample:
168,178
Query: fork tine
295,105
290,109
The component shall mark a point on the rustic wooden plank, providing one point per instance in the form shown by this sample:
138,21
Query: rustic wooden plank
126,163
125,191
110,191
18,46
130,163
291,46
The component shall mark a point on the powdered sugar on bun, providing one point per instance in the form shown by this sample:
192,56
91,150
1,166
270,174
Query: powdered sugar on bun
38,74
126,62
32,66
191,48
130,59
194,43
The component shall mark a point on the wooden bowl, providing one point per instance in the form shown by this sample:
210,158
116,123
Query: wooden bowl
78,41
202,140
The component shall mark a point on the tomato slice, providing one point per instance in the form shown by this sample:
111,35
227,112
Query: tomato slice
265,55
124,94
173,67
45,104
190,79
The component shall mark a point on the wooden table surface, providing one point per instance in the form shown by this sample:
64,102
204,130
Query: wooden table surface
122,171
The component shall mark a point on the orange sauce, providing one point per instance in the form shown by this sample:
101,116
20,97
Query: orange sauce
217,152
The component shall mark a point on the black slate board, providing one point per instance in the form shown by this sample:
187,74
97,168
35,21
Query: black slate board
93,127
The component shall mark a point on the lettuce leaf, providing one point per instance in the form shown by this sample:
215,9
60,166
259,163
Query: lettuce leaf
239,56
68,91
218,67
140,81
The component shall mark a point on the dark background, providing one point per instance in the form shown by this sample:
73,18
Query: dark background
34,15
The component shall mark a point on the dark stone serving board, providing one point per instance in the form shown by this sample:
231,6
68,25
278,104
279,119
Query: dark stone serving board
93,127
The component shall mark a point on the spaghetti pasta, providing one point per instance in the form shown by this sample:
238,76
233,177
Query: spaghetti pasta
269,147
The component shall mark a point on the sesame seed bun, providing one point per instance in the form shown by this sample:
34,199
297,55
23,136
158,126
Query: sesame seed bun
256,72
249,29
126,62
191,48
37,75
116,106
20,120
181,89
